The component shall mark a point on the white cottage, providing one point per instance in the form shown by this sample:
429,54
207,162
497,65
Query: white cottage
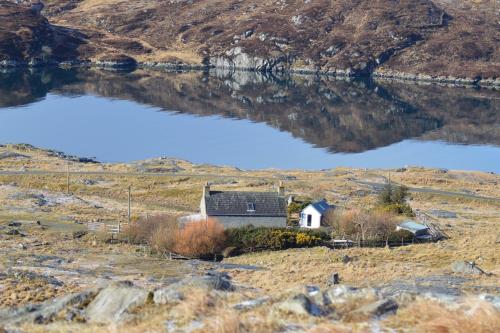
312,216
238,209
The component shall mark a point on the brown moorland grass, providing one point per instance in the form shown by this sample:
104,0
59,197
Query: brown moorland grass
429,316
473,235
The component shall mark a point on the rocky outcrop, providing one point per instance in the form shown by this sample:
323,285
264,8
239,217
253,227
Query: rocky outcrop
467,268
237,59
167,295
113,303
27,38
211,281
417,40
116,61
47,311
376,309
300,305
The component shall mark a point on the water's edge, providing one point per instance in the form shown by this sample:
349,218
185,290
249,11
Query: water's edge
450,81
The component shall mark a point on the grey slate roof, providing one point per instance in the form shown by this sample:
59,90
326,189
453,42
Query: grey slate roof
321,206
268,204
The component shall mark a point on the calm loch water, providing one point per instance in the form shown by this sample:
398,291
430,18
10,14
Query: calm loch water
251,121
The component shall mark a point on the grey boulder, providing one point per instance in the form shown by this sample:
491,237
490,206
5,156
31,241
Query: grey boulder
167,295
464,267
300,305
46,311
251,304
114,302
343,294
377,309
211,281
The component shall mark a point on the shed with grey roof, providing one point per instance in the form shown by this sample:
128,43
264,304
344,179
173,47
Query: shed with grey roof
241,208
419,230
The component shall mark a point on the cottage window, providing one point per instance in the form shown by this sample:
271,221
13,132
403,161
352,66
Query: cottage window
250,207
309,220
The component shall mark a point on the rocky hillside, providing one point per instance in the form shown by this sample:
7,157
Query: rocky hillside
27,36
433,37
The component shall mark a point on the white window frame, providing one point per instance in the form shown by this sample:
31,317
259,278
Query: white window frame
250,207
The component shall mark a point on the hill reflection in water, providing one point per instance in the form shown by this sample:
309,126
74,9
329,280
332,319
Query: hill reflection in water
339,116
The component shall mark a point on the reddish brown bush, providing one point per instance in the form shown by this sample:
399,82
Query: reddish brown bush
163,234
199,238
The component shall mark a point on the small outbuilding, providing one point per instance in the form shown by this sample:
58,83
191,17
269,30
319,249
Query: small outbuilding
417,229
313,215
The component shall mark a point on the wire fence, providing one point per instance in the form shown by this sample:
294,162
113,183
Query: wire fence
334,244
114,229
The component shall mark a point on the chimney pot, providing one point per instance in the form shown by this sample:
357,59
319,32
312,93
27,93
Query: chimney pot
281,189
206,190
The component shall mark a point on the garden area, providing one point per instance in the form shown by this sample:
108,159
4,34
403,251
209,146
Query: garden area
208,239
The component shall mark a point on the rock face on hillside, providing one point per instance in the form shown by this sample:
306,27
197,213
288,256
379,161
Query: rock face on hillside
345,37
26,36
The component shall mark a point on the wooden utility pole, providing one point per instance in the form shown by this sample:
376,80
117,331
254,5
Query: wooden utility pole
129,203
67,176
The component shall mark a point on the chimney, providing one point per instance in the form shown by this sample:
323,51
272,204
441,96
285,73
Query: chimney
206,190
281,190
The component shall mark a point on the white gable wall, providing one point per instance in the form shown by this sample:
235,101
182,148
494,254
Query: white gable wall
315,218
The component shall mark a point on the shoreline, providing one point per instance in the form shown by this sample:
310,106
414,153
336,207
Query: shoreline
53,153
92,160
451,81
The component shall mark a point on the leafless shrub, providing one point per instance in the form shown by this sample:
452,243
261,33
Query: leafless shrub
356,222
342,222
164,237
159,232
381,225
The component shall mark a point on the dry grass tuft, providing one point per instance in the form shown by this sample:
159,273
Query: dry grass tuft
198,303
429,316
224,321
329,328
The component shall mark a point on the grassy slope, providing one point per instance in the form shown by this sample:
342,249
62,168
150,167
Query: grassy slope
474,236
